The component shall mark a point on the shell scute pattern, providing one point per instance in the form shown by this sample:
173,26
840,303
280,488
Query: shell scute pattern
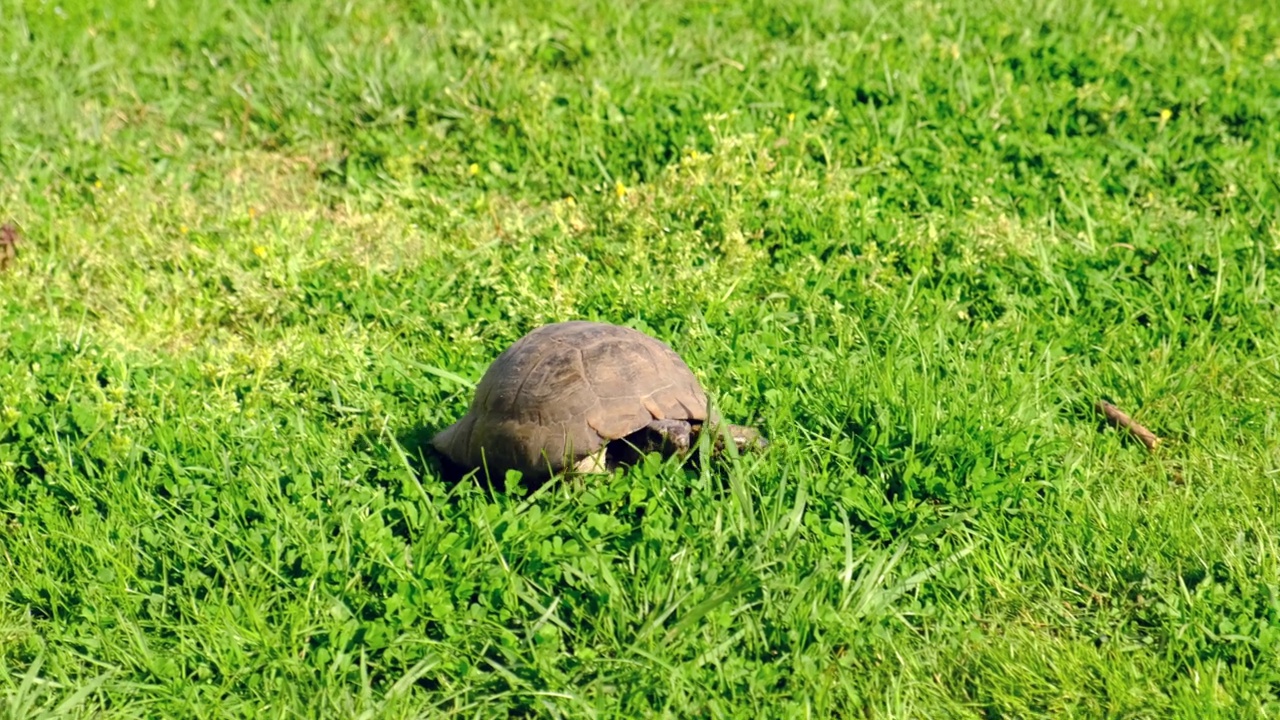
564,390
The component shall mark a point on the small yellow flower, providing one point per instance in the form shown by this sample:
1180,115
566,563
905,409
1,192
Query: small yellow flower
253,213
791,118
121,443
97,184
619,189
569,201
182,229
260,251
474,169
1165,115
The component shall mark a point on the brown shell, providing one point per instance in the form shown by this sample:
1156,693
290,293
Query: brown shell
562,391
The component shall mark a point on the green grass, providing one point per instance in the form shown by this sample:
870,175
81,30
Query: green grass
913,241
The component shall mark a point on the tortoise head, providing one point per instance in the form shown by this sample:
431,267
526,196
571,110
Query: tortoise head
745,439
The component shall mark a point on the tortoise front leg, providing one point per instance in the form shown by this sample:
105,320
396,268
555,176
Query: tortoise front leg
668,437
675,436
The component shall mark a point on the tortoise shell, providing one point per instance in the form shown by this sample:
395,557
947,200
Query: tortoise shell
564,391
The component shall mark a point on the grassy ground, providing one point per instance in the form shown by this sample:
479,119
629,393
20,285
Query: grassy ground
268,244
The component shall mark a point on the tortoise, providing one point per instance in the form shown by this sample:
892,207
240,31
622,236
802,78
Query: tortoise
583,397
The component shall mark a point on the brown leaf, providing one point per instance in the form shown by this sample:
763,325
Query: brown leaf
9,241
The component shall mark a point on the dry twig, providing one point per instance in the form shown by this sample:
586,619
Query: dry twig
1118,418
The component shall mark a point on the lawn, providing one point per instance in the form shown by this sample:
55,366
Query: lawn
268,247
